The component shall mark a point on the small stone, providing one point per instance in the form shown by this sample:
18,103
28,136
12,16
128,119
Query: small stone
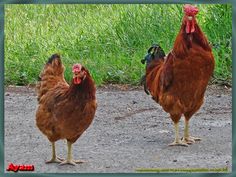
209,128
163,131
175,160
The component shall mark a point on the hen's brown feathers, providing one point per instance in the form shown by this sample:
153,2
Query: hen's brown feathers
51,75
64,111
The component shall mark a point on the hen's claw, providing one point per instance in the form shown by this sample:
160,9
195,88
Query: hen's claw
190,140
179,143
55,160
61,159
195,138
71,162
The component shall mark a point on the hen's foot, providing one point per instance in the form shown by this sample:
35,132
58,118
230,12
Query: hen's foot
71,162
178,143
55,160
191,140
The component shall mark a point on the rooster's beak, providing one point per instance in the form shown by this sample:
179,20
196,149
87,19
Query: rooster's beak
190,17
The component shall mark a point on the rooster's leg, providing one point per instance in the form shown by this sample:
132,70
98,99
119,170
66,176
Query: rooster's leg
69,159
187,138
54,159
177,141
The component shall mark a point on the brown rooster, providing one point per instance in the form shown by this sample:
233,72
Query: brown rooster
64,111
178,81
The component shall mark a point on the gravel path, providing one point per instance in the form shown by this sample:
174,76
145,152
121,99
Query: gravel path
130,131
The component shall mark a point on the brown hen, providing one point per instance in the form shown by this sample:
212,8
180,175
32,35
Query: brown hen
64,111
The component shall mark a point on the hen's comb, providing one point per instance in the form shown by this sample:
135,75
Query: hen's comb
76,67
190,10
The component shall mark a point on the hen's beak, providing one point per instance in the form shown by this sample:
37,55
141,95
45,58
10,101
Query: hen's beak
78,77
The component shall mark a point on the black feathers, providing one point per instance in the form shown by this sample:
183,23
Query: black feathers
155,52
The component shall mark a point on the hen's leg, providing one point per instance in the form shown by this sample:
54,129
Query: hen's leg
69,159
187,138
177,141
54,159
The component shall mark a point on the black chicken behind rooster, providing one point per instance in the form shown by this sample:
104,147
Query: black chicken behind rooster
154,52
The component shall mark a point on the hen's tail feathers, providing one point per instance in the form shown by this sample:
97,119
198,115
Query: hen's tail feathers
52,73
54,57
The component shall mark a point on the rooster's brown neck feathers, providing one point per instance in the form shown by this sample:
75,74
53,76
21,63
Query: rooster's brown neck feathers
184,41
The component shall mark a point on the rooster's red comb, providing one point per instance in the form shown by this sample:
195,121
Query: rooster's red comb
76,67
190,10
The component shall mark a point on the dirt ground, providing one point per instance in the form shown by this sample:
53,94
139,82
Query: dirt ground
130,131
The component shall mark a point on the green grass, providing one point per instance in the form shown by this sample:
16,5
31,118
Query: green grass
110,40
